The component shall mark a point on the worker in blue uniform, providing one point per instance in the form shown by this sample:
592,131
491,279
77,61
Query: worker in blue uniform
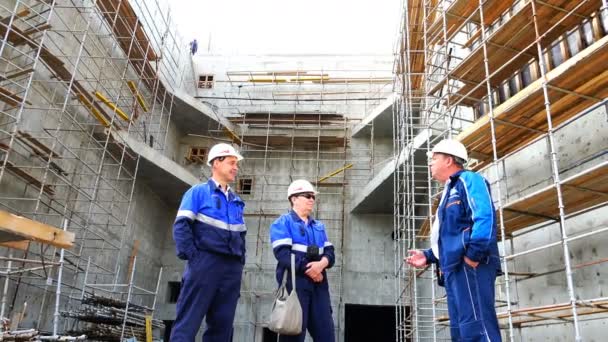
463,244
299,233
209,233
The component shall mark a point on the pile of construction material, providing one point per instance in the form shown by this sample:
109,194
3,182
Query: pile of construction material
104,319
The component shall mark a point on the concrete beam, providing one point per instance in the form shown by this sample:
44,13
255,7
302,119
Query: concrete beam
192,116
381,116
377,196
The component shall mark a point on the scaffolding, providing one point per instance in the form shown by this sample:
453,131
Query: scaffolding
291,124
72,75
506,78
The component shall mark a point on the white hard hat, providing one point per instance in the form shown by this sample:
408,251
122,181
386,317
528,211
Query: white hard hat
299,186
222,150
451,147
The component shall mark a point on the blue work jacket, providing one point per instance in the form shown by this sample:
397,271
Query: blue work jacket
289,234
467,223
207,220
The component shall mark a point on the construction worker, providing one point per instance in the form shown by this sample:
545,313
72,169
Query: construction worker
209,233
299,233
193,47
463,244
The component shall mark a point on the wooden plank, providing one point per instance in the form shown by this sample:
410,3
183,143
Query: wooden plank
555,311
123,21
38,144
549,312
586,73
457,13
59,70
48,189
11,98
41,150
16,74
19,14
21,245
516,35
39,28
134,251
324,142
581,191
24,228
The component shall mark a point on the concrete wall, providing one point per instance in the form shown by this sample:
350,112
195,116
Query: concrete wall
580,145
364,257
95,192
335,67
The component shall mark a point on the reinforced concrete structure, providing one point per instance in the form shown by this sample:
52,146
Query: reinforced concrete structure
106,120
522,84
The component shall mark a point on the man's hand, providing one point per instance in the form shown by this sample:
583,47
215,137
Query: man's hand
416,258
315,269
470,262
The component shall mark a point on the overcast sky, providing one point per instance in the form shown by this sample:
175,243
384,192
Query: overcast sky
238,27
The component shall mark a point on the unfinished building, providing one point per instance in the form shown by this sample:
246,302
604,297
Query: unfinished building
522,84
106,120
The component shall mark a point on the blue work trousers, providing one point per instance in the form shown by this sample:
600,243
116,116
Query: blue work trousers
470,293
211,287
316,313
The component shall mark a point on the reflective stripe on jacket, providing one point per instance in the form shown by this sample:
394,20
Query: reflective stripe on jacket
289,234
467,222
208,220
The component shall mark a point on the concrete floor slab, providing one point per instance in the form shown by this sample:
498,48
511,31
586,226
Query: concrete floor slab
382,118
377,196
165,177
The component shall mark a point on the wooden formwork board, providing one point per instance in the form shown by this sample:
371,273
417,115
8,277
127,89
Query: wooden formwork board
553,312
275,119
56,66
573,87
458,12
416,43
132,39
285,142
579,192
584,190
557,312
514,36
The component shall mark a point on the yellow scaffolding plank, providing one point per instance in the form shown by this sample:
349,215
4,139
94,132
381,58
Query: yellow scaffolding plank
112,106
138,96
93,110
342,169
235,138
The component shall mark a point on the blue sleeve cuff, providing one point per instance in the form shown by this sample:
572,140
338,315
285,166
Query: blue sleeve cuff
330,255
475,255
430,257
184,239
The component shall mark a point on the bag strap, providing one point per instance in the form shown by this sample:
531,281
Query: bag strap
284,282
293,271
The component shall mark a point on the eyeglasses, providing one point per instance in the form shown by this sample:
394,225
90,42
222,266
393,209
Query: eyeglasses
308,196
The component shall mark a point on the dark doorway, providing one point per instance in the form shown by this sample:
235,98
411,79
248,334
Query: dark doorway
363,323
173,289
269,336
167,334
